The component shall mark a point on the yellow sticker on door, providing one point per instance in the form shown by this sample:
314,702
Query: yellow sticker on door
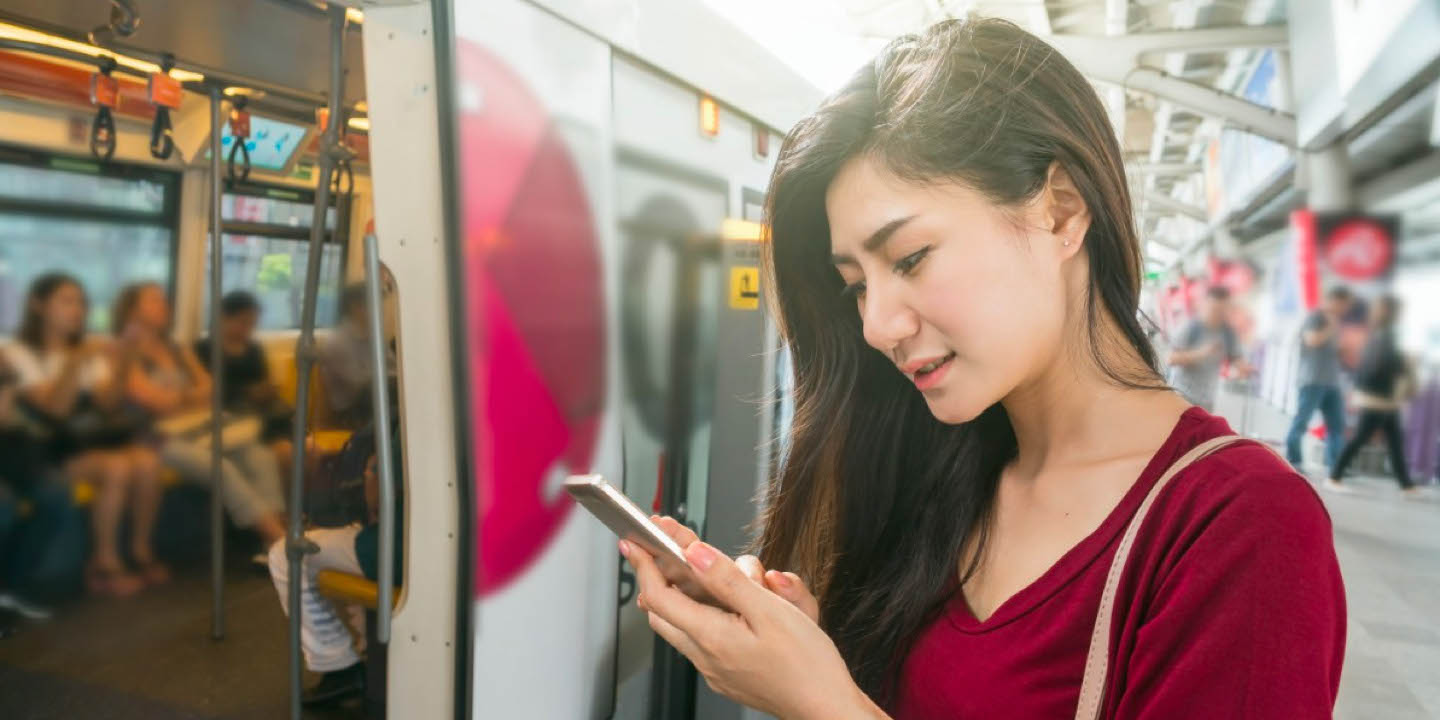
745,288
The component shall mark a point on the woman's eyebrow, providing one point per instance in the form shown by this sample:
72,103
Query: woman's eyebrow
876,241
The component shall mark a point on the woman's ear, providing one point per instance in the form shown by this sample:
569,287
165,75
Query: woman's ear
1068,218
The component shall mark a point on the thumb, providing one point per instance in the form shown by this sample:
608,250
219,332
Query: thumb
724,580
788,585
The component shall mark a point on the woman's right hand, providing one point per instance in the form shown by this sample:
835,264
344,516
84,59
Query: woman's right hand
787,585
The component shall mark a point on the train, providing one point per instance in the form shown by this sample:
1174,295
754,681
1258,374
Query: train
566,198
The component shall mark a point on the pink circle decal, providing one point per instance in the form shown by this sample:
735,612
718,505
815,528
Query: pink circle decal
535,307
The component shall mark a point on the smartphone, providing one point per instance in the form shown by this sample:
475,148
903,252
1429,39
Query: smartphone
630,523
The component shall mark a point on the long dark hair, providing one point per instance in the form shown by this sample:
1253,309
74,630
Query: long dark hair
877,498
42,288
125,303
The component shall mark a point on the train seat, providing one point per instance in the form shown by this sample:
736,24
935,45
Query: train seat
343,587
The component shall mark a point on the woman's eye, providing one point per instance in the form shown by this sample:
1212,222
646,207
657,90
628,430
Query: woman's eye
853,290
907,264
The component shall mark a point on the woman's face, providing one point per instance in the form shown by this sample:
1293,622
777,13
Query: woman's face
966,298
64,310
152,309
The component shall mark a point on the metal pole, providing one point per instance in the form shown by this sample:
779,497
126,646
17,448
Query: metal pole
217,382
384,471
296,546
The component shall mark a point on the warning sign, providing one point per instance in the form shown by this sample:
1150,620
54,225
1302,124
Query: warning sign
745,288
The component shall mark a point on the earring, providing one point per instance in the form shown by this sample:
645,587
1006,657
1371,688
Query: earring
1067,243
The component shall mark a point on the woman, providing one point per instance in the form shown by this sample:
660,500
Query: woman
978,416
1382,384
61,379
167,380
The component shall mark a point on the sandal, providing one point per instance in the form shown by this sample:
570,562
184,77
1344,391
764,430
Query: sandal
153,572
112,582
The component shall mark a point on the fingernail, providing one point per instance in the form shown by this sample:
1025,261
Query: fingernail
625,548
779,578
700,555
793,578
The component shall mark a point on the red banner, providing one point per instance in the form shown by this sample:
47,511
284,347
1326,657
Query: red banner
1302,222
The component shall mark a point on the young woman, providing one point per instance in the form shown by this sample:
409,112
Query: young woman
62,376
166,379
978,417
1383,383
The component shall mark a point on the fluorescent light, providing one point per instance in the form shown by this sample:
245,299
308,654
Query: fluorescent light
359,123
15,32
354,15
737,230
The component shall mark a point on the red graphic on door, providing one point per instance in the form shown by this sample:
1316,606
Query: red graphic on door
535,306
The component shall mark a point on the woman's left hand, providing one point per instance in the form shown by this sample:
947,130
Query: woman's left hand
764,652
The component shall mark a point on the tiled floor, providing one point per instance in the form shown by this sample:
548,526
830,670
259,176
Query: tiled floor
1389,550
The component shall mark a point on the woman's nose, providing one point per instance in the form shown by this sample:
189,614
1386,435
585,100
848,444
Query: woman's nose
886,320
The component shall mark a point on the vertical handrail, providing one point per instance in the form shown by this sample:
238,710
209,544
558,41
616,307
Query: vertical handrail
296,546
379,387
217,382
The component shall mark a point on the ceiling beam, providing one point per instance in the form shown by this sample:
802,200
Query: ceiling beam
1117,60
1178,207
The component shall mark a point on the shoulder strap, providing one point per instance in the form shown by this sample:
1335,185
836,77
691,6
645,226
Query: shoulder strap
1097,662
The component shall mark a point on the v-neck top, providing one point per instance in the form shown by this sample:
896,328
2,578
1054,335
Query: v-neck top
1231,605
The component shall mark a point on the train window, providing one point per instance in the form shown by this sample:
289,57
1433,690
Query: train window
265,250
108,225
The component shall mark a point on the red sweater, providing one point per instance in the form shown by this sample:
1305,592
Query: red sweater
1231,606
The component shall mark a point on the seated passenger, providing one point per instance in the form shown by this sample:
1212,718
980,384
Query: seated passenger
74,405
324,639
344,363
247,387
168,382
25,541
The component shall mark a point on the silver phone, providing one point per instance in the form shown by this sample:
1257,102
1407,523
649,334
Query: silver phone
630,523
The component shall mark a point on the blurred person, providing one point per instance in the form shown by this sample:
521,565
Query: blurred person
344,362
1319,377
70,388
168,382
25,539
1206,342
327,644
247,387
978,419
1383,383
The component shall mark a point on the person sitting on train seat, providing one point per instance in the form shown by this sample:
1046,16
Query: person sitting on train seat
247,387
344,362
26,539
168,382
328,646
72,400
991,504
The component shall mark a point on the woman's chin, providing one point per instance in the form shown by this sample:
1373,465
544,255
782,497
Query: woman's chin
956,410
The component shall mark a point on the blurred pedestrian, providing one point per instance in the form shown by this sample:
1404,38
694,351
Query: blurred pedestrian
1383,383
1319,377
1205,343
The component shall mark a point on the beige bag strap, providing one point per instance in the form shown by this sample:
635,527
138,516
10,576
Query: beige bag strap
1097,662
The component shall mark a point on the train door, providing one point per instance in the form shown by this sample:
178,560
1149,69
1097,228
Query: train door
531,289
669,296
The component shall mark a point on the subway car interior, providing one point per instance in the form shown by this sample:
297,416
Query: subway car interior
470,249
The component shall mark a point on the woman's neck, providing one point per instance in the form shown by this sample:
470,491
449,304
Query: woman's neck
1075,414
55,342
